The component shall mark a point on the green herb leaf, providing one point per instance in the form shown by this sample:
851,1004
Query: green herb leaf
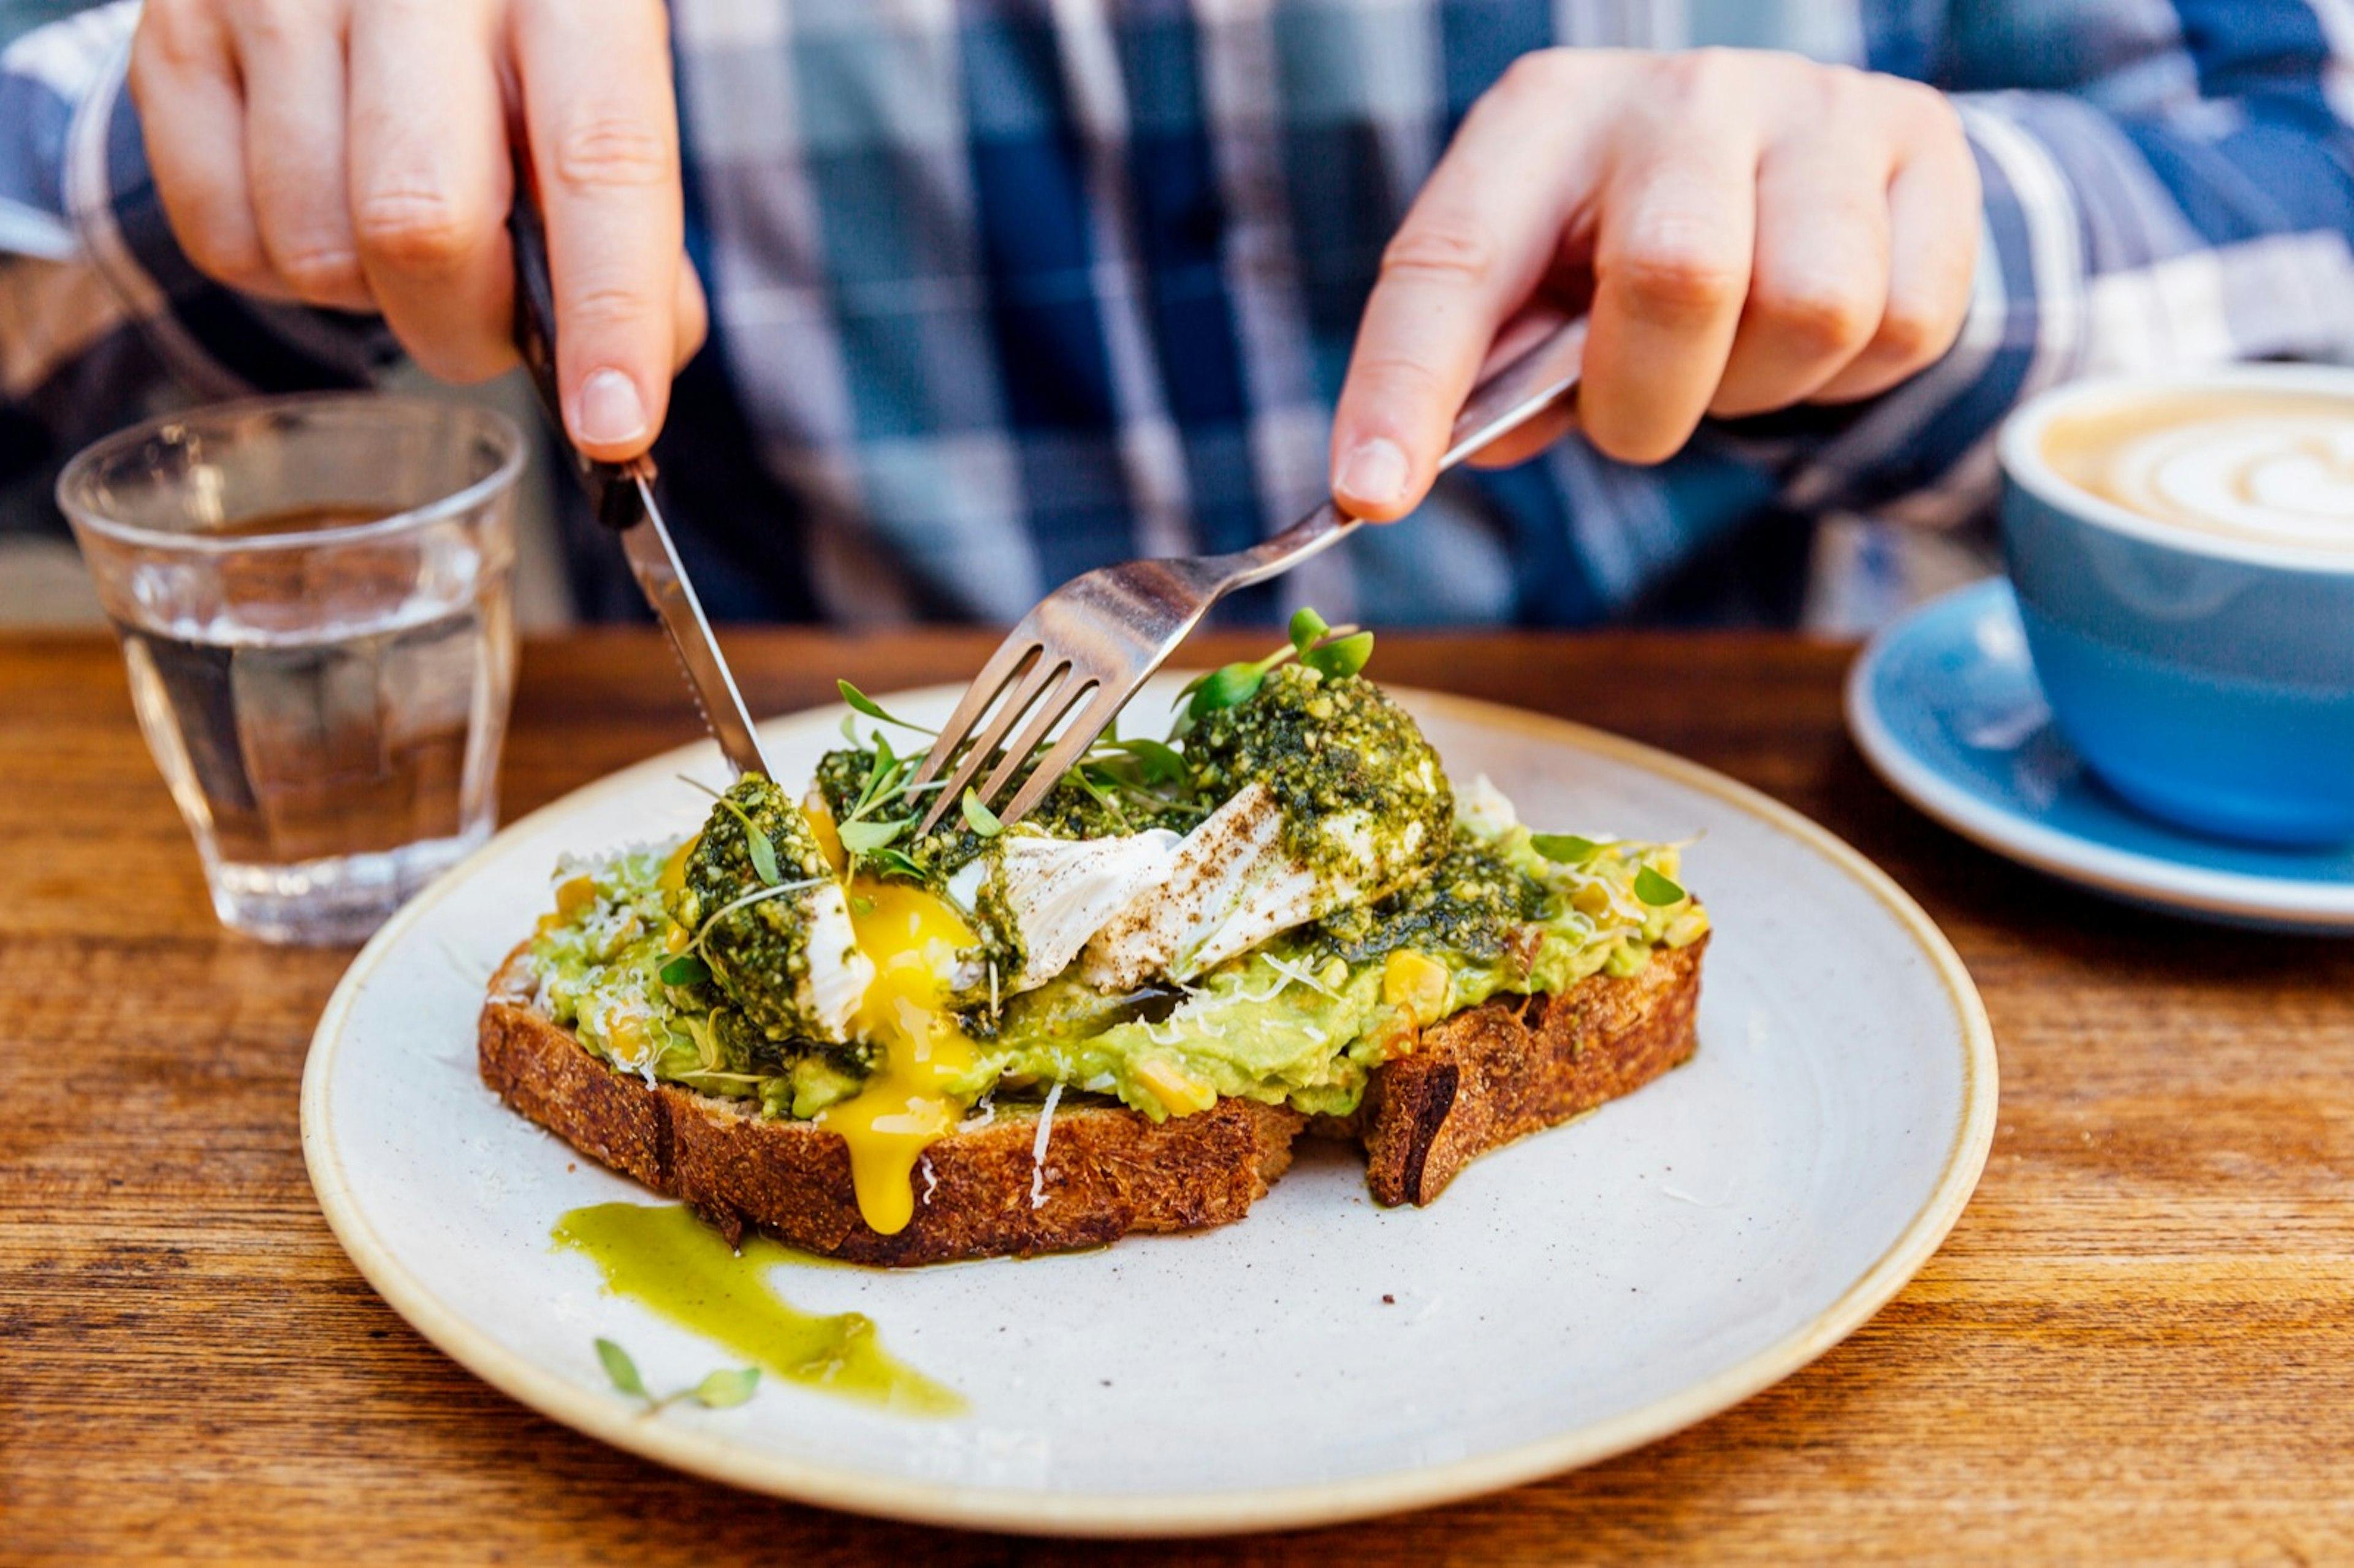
764,853
865,838
980,818
850,728
1225,688
1160,764
686,970
725,1389
1656,890
621,1369
873,709
896,863
1341,658
1307,626
1567,848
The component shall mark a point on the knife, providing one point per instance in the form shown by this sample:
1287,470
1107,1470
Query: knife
622,495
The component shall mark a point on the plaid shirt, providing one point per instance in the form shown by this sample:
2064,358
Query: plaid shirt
1005,290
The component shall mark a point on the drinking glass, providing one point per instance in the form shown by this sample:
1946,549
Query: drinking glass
314,595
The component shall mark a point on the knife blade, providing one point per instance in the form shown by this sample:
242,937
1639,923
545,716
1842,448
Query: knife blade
622,495
661,577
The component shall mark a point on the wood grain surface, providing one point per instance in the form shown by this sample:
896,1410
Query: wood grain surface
2137,1344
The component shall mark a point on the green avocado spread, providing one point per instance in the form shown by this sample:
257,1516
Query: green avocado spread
691,964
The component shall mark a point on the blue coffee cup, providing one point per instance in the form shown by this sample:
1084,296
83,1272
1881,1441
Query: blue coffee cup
2205,674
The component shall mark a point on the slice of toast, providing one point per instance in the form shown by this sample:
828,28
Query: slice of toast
1493,1074
1474,1082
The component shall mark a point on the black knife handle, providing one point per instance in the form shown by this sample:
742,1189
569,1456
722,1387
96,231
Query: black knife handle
612,487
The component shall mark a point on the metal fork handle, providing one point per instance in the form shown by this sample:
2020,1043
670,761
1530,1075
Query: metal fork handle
1521,389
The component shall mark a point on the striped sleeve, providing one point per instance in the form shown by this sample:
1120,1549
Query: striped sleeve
101,316
2190,203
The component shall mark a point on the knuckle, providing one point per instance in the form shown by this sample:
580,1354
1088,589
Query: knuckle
319,274
1817,317
614,150
1448,250
1536,76
416,229
611,305
1680,270
1399,378
224,252
171,34
276,20
1702,75
1912,336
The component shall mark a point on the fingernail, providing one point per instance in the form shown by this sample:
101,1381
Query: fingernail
611,412
1372,474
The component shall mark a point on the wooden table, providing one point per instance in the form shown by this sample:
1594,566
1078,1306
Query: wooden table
2139,1343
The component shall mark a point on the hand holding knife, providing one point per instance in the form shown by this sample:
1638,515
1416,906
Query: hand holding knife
622,496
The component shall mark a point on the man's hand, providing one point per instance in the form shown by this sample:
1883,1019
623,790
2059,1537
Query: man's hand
1749,231
357,154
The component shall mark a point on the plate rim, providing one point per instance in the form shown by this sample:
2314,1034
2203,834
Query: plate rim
1198,1513
2294,903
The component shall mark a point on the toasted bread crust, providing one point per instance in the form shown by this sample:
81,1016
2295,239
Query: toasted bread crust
1494,1074
1474,1082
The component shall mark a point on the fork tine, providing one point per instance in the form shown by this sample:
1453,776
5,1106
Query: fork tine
1042,678
1012,660
1074,744
1023,747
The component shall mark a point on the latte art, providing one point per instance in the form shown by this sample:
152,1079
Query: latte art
2272,467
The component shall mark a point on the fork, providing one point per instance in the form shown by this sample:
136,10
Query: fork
1106,631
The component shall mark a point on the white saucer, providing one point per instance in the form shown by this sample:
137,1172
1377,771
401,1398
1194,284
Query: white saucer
1945,705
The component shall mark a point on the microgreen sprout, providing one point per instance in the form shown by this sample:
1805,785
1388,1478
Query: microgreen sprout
980,818
688,969
1563,849
1657,890
1335,652
720,1389
875,710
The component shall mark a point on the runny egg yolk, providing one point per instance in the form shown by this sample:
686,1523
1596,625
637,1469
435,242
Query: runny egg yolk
913,937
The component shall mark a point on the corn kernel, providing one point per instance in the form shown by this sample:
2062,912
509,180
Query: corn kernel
1182,1093
1418,983
575,897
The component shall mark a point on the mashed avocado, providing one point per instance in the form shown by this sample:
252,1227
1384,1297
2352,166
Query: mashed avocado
1301,1020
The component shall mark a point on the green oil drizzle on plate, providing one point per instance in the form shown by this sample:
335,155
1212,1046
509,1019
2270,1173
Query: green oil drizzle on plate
663,1258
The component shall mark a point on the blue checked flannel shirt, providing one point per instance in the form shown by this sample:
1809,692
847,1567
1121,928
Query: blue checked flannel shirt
1005,290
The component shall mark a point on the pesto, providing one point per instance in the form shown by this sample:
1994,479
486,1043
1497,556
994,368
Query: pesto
1329,750
755,941
1469,907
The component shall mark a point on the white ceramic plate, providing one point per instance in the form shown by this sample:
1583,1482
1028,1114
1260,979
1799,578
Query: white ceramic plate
1585,1291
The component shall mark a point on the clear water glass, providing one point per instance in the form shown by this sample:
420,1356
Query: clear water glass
314,595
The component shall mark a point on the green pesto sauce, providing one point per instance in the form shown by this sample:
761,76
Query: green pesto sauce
666,1260
1467,908
758,952
1327,750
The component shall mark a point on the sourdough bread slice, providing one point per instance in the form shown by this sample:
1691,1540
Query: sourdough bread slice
1491,1075
1473,1082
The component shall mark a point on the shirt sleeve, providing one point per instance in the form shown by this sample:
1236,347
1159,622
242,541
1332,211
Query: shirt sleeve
2187,202
103,319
